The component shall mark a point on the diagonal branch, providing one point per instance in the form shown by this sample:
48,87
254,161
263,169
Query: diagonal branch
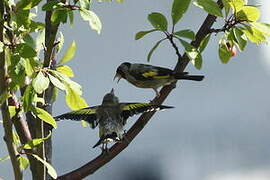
102,159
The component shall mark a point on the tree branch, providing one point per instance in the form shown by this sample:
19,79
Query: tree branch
8,137
102,159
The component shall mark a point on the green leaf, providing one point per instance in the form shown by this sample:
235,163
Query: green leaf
28,98
224,53
226,6
59,16
197,62
241,40
191,51
29,69
50,169
209,6
248,13
85,4
74,100
40,41
236,5
92,18
61,41
263,27
71,17
12,111
54,94
204,43
141,34
24,162
56,82
27,4
40,82
51,5
68,82
64,69
4,158
45,116
253,34
187,33
16,138
35,142
153,49
158,21
26,51
69,54
179,8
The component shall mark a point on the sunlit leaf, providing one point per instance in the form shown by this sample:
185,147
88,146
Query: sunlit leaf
236,5
35,142
69,54
253,34
24,162
263,27
64,69
74,100
248,13
191,51
158,21
92,18
209,6
179,8
45,116
51,171
56,82
40,82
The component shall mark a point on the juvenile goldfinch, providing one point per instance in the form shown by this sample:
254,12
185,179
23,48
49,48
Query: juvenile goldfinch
148,76
110,116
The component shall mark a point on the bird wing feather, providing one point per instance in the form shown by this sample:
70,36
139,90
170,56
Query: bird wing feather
88,114
130,109
148,72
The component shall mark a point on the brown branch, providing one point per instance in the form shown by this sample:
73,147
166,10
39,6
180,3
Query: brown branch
102,159
7,123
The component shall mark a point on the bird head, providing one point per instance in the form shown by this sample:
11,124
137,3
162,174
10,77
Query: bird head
121,71
110,99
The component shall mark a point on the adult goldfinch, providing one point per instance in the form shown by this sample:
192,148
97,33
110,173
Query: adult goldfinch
148,76
110,116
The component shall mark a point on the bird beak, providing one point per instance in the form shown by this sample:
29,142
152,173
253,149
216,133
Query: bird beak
117,76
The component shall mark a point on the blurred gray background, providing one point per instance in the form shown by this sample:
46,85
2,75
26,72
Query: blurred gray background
219,129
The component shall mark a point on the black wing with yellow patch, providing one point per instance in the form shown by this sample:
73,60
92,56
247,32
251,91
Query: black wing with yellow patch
148,72
130,109
88,114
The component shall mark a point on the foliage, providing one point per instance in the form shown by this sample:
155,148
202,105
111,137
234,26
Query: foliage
241,25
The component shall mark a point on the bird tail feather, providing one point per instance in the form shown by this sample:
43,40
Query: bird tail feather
188,77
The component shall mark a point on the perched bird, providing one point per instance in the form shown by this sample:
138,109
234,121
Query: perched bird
148,76
110,116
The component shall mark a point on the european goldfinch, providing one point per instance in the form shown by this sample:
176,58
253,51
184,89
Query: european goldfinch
148,76
110,116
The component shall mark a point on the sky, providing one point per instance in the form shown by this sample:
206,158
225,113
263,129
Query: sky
219,128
